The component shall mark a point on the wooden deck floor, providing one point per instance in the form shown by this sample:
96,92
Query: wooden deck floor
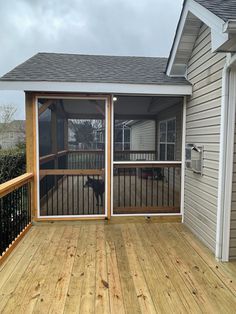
100,267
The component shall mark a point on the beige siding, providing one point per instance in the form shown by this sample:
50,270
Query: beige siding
142,135
232,248
169,113
203,129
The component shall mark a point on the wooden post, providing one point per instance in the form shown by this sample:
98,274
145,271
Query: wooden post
156,139
66,134
31,148
66,131
109,155
54,135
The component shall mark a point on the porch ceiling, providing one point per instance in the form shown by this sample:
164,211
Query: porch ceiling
130,106
144,106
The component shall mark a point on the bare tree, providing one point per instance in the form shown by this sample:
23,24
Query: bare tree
7,113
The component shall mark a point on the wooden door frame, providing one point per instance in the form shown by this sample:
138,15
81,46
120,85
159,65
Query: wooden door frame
33,151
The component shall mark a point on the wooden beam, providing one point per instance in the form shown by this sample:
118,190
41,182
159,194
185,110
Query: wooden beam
142,219
45,106
109,158
54,131
71,172
75,95
70,219
31,148
147,210
9,186
66,134
47,158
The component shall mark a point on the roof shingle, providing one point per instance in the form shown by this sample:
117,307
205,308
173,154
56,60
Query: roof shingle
224,9
57,67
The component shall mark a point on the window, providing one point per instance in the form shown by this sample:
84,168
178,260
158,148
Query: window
167,138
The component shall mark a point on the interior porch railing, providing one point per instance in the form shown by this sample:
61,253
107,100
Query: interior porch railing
146,188
70,192
140,184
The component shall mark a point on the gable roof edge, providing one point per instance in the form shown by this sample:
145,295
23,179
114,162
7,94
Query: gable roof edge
219,37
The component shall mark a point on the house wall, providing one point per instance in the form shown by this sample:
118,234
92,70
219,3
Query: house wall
142,135
11,139
232,245
203,112
169,113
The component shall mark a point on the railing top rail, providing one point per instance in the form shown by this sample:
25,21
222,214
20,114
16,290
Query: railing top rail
11,185
151,164
135,151
71,172
49,157
93,151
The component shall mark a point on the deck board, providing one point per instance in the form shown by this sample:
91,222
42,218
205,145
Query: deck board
98,267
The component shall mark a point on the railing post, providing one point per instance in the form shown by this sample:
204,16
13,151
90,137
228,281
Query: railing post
31,148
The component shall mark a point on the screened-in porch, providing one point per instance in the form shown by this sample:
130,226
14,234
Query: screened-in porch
122,152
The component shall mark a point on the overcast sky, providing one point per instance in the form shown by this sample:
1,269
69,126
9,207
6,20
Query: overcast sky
113,27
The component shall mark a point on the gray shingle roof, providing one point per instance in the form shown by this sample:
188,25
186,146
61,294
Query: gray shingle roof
225,9
53,67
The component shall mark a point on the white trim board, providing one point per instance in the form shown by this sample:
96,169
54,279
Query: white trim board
107,88
147,162
226,160
214,22
183,158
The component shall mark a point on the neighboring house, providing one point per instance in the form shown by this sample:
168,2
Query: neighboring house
195,86
12,134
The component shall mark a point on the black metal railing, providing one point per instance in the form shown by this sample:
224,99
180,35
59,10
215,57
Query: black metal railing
15,214
146,189
72,194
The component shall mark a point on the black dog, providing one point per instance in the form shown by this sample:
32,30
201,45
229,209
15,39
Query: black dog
98,187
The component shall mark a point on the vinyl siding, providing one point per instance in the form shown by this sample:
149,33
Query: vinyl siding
232,246
203,128
169,113
143,132
142,135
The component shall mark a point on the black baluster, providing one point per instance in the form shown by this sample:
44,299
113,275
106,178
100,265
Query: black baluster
124,187
130,187
73,208
83,193
152,187
173,186
168,186
135,187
